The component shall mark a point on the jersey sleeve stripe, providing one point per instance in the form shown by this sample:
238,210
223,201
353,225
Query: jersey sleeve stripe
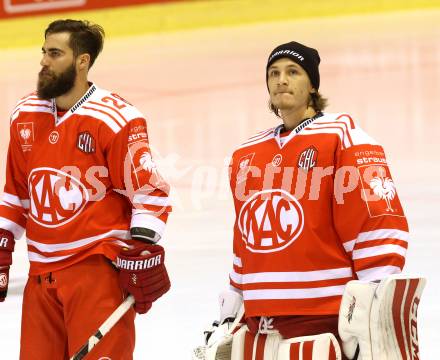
378,251
101,115
15,200
148,221
380,234
48,248
12,226
349,119
151,200
338,129
285,294
297,276
378,272
236,277
120,118
265,138
383,234
343,125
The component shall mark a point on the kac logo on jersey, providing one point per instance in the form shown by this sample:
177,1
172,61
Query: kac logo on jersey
270,220
308,158
56,197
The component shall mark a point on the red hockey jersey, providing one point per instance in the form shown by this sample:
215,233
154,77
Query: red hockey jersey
314,210
77,183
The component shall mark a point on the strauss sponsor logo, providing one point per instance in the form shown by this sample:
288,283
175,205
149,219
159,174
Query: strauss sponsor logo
270,220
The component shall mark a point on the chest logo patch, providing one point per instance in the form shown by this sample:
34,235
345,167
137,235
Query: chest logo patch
53,137
86,143
56,197
26,135
308,158
276,161
270,221
243,167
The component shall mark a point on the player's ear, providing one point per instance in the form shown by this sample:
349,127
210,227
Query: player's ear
83,61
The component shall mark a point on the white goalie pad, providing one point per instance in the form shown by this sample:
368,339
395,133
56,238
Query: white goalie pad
218,340
381,318
271,346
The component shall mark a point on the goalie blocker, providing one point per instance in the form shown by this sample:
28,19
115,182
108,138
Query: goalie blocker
377,321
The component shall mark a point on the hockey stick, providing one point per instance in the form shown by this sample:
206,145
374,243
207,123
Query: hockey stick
104,328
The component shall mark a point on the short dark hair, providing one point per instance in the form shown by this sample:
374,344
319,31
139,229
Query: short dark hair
316,101
85,37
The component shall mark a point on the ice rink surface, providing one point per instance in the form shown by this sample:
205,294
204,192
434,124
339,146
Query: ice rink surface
204,93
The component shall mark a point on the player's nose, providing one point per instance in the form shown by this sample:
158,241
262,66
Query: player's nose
44,60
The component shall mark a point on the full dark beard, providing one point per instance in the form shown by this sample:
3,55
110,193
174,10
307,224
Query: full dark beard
50,85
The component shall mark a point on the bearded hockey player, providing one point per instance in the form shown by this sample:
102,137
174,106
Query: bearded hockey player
82,186
316,208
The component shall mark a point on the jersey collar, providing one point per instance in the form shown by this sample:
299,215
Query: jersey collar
92,89
295,131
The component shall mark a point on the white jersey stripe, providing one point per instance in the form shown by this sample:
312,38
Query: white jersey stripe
286,294
265,138
151,200
117,115
11,226
25,108
88,111
15,200
236,277
379,234
120,234
296,276
326,130
258,135
383,234
147,220
378,251
377,273
349,245
33,256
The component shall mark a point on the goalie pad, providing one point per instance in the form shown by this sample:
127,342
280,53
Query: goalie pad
271,346
381,318
218,340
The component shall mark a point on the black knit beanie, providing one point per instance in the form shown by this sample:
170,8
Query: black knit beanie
308,58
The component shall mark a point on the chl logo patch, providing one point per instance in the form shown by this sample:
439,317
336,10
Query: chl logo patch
56,197
243,167
308,158
86,143
270,220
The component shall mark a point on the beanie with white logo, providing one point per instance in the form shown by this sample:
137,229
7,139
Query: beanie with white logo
306,57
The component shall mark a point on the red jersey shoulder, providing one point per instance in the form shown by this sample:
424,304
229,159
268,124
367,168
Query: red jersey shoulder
30,104
110,108
342,126
258,138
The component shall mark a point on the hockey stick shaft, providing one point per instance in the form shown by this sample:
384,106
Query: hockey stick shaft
104,328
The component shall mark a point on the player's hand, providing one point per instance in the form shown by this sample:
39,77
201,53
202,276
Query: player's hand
143,274
7,243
